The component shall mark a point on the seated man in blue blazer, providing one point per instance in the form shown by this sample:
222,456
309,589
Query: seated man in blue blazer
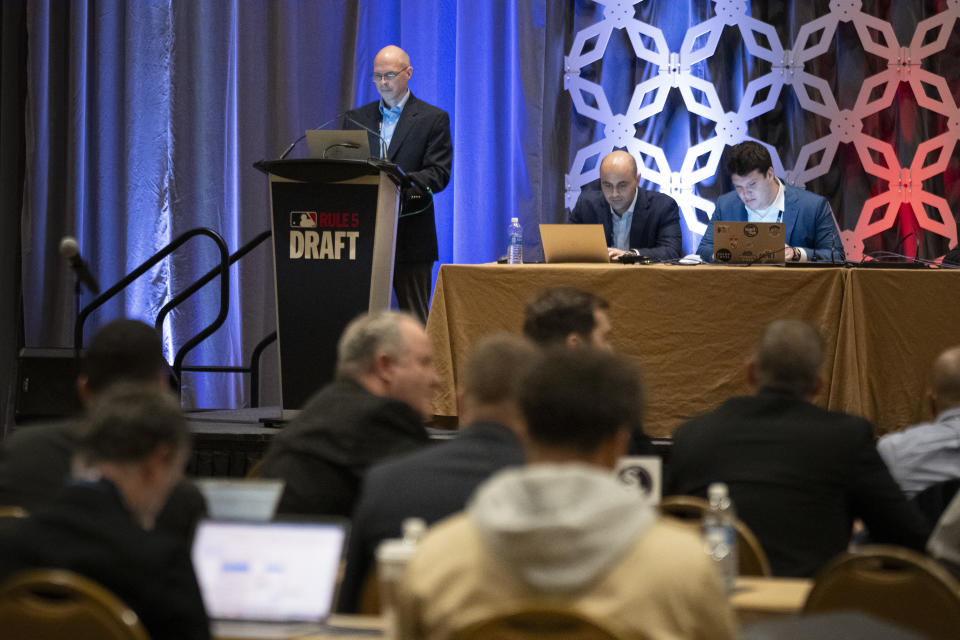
759,196
645,223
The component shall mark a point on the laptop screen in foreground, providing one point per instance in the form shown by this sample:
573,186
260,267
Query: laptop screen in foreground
268,571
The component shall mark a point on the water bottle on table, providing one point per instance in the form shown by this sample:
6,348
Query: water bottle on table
514,242
719,533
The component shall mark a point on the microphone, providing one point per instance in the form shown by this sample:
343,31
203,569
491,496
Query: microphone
71,251
383,143
287,151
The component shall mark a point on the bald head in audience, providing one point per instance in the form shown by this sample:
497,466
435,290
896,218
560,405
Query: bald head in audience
787,358
945,391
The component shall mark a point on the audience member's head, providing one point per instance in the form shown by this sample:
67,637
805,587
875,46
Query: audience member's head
567,316
389,354
752,174
580,405
787,359
122,351
492,379
137,438
619,179
945,393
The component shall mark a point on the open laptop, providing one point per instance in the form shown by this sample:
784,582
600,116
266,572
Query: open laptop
574,243
748,242
338,144
241,498
268,579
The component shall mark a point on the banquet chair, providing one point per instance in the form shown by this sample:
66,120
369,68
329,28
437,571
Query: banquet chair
54,604
893,584
751,556
535,623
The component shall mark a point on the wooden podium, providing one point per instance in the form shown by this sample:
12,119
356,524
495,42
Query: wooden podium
334,226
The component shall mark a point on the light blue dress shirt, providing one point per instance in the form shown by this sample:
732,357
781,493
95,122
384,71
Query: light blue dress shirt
924,454
389,118
621,226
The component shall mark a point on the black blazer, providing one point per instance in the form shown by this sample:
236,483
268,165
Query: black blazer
654,231
432,483
798,476
422,146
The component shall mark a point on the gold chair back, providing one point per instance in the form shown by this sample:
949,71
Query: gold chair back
751,556
893,584
12,511
536,624
55,604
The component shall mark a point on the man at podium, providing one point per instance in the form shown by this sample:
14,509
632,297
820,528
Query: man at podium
416,136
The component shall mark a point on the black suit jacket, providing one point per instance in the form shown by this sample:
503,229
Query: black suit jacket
341,431
422,146
88,530
654,230
432,484
798,476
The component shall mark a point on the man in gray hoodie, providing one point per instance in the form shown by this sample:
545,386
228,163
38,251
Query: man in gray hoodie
561,531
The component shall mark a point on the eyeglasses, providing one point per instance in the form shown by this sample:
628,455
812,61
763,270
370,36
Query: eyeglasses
389,75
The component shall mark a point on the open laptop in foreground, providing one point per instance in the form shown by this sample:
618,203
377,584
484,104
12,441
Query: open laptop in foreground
241,498
748,242
574,243
268,579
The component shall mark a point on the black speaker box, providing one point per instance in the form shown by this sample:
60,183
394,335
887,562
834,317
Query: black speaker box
46,384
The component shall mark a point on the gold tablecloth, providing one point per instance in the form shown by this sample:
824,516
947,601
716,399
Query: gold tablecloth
691,328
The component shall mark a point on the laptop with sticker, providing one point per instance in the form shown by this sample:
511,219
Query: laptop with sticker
574,243
748,242
268,579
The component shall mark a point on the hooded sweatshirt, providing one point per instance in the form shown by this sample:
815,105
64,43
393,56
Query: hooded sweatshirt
559,527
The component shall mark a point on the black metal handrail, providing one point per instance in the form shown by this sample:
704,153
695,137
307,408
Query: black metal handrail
181,354
223,269
253,369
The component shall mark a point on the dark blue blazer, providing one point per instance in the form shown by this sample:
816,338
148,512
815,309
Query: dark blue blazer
431,483
654,231
808,219
422,146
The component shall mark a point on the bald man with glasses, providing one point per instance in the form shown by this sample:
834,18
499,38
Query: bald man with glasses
416,136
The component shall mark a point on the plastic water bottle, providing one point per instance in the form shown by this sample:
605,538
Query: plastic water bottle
514,242
719,534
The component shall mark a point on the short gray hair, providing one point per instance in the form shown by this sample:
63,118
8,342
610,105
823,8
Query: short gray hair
365,337
788,357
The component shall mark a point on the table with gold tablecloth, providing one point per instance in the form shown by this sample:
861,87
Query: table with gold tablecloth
691,328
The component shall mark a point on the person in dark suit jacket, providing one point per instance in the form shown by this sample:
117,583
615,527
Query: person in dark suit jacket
759,196
133,447
374,409
798,475
417,137
650,220
36,460
436,482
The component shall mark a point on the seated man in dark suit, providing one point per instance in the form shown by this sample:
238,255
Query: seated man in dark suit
374,409
798,475
759,196
645,223
35,462
435,482
133,448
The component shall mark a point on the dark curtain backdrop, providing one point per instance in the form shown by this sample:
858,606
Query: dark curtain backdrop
143,120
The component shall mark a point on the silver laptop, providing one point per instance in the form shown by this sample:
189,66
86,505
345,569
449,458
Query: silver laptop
268,579
338,144
574,243
748,242
241,498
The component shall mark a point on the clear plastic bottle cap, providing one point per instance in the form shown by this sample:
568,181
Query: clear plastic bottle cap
514,220
717,490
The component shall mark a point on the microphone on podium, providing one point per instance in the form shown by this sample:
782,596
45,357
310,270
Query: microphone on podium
71,251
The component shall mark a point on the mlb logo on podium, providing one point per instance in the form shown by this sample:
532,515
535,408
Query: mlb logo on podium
303,219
